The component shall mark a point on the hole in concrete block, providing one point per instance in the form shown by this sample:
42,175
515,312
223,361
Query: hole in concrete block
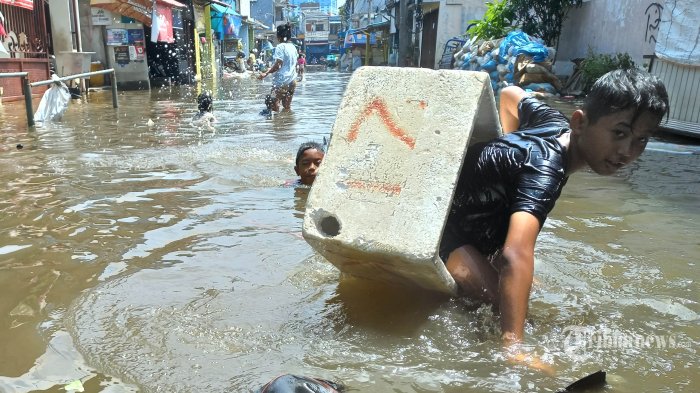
329,226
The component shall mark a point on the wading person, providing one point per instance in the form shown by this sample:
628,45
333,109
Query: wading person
205,104
285,79
509,185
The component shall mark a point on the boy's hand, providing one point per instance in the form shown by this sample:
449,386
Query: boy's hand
517,356
262,75
532,361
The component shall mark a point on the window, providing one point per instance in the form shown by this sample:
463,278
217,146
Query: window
319,27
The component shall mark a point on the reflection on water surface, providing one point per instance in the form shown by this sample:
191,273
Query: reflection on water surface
170,258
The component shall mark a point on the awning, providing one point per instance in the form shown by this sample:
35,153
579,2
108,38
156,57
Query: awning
256,25
224,10
136,9
26,4
226,20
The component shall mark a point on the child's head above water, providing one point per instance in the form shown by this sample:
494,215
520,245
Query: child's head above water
205,102
309,157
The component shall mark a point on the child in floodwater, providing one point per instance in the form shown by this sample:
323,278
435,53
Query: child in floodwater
205,104
301,65
509,185
308,160
285,80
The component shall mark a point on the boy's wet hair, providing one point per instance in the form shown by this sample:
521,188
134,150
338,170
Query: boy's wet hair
306,146
205,102
284,32
620,90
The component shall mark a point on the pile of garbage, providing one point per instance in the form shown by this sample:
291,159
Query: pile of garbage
517,59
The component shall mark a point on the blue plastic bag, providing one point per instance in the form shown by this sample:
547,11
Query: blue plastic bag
522,43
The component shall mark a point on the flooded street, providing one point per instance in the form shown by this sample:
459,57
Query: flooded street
168,258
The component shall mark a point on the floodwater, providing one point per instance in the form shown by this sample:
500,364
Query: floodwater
170,259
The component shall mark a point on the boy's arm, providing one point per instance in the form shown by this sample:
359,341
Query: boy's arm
508,108
274,68
516,273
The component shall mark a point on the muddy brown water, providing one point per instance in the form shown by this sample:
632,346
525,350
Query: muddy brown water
170,259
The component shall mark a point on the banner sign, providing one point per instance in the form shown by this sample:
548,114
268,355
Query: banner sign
100,17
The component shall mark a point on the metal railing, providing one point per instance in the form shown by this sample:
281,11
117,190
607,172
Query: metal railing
27,87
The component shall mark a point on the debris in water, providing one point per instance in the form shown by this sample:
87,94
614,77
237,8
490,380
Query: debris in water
150,123
75,386
595,380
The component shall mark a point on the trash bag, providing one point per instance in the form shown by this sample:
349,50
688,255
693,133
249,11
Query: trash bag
517,42
54,102
289,383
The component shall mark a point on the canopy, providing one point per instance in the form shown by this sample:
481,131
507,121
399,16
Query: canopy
225,10
27,4
136,9
226,20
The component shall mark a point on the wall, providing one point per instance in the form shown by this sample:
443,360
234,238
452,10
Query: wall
453,19
61,35
608,26
91,35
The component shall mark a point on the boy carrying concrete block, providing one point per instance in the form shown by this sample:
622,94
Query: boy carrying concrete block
499,201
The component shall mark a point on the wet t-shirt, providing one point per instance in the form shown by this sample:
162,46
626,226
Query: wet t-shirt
521,171
287,73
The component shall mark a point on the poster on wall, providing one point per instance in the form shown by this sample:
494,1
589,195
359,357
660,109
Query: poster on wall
136,37
140,53
100,17
121,55
117,37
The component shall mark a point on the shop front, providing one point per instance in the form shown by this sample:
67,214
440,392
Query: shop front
25,45
148,51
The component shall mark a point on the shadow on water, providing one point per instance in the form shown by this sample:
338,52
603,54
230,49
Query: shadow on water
382,307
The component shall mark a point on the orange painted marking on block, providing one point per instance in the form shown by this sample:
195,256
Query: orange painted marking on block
379,106
422,104
386,188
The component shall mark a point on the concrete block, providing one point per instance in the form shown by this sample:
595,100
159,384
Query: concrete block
378,206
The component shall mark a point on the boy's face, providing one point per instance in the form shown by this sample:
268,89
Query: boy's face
307,167
614,140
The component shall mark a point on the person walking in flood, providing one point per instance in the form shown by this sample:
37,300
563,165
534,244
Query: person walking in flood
285,79
509,185
301,65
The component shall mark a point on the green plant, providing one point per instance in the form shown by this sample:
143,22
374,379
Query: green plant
595,65
497,21
542,18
